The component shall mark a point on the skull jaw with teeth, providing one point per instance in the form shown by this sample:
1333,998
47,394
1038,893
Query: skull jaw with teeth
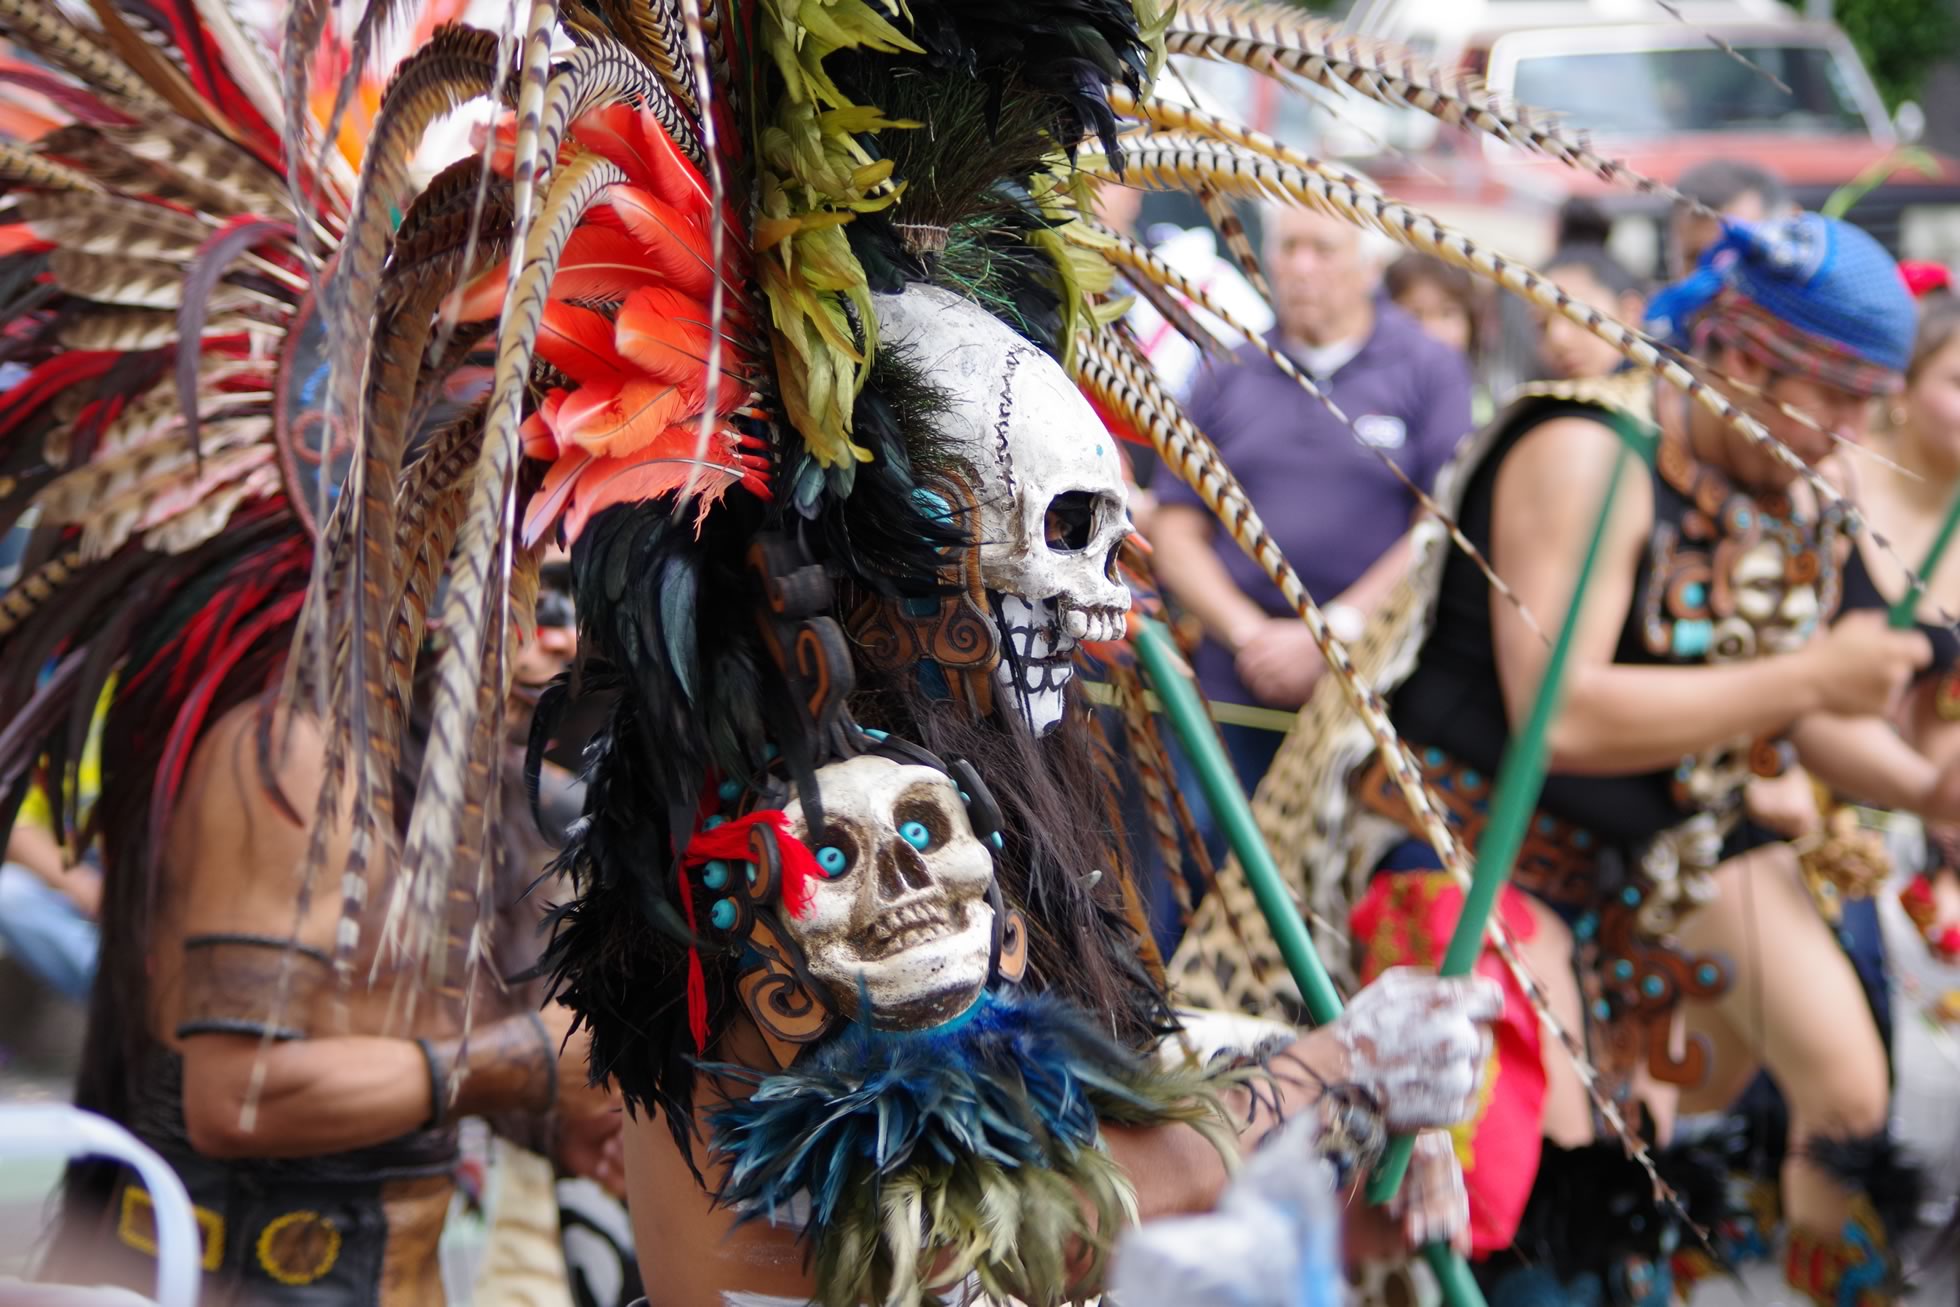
1052,509
902,921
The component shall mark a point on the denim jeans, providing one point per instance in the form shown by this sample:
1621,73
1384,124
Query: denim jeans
1251,751
47,933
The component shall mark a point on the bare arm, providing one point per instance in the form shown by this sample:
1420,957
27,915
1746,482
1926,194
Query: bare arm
319,1095
36,849
1616,719
1863,757
1191,570
236,871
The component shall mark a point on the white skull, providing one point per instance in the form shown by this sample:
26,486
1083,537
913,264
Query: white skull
902,905
1050,486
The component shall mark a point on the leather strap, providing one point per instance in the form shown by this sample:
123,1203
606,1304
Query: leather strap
508,1065
254,985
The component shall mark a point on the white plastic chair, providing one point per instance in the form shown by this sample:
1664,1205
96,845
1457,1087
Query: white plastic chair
33,1131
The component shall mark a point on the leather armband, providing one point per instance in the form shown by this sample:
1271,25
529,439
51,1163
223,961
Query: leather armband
233,986
508,1065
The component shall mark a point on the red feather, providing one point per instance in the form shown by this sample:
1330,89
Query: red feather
633,139
579,343
602,262
665,332
676,246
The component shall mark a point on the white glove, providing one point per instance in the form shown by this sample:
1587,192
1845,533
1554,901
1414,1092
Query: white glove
1432,1204
1417,1043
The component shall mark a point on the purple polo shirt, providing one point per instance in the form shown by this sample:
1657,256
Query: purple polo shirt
1329,504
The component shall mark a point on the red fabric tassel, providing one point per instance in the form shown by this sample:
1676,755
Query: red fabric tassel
730,842
697,984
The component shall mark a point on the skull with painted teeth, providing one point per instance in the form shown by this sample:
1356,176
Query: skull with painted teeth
1049,484
900,914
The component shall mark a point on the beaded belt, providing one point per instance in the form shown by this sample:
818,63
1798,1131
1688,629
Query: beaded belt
1557,860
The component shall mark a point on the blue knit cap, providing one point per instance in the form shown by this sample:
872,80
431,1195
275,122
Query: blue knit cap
1806,293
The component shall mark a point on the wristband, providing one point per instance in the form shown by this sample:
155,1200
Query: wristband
510,1065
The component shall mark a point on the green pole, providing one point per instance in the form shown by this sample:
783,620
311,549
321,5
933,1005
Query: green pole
1228,804
1905,613
1520,778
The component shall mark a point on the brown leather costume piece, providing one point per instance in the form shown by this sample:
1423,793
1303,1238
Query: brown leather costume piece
250,985
1556,861
507,1065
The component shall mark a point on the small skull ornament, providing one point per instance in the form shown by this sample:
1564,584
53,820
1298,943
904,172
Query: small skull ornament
1050,486
902,907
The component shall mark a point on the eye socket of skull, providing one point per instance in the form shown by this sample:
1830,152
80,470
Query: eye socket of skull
1070,523
901,916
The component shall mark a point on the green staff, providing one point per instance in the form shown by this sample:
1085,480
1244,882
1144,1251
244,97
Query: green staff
1904,613
1221,787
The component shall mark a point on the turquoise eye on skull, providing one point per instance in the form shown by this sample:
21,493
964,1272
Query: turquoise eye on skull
832,861
916,834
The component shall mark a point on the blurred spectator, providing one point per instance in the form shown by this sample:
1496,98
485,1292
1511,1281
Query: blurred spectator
1592,276
1582,222
1442,299
1447,303
50,901
1339,515
1195,253
1734,189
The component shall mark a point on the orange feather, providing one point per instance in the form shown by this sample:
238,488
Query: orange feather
633,139
665,332
602,262
579,343
663,470
617,420
676,246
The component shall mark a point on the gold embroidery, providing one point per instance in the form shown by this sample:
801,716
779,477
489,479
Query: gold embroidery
136,1226
299,1247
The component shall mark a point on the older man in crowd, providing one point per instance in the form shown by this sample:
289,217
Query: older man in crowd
1729,188
1339,514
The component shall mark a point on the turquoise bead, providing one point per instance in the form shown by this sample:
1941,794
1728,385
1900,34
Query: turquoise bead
1653,987
723,914
729,791
831,860
994,839
713,822
1693,637
916,834
749,867
715,875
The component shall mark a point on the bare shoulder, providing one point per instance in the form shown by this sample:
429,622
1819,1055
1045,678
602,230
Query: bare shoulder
243,817
1558,470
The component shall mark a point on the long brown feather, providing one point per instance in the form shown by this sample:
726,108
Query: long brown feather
126,331
35,590
30,167
110,225
1278,40
161,75
138,283
45,30
433,829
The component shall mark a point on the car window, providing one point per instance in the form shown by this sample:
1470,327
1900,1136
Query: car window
1654,92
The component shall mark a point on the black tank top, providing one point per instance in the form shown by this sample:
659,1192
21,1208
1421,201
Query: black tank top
1861,593
1681,615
